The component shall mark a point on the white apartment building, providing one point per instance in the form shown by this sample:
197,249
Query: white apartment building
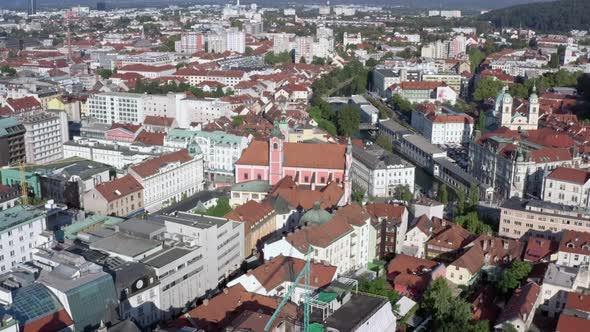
117,107
344,246
221,241
324,44
574,248
236,40
116,154
229,40
43,137
179,269
170,177
226,77
281,42
147,58
379,173
567,186
304,48
195,110
220,150
436,50
20,233
442,128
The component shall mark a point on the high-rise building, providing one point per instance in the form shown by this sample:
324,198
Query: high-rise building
236,40
12,142
32,7
190,43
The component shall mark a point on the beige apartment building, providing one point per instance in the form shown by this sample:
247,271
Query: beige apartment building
121,197
523,218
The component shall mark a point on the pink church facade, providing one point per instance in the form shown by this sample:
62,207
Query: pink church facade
313,165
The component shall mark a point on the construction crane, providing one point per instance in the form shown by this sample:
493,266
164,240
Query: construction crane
305,273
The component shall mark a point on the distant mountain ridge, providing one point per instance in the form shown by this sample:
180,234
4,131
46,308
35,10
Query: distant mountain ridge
550,17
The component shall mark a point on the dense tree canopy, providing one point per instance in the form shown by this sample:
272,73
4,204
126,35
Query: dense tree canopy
348,121
513,276
487,87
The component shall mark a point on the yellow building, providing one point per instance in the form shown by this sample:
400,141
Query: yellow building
259,221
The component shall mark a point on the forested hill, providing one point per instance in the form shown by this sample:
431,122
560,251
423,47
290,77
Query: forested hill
548,17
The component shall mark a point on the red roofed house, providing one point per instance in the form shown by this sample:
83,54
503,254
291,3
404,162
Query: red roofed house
121,197
576,314
170,177
441,127
216,314
21,106
540,250
411,275
331,238
520,309
226,77
259,221
423,91
574,248
307,164
568,186
277,275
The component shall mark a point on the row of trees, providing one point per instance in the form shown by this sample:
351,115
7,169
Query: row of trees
156,88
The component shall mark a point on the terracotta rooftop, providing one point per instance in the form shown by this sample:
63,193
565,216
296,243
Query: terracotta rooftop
158,121
305,155
57,321
151,166
538,249
521,304
578,301
573,175
296,196
148,138
23,104
279,269
118,188
575,242
391,212
219,311
569,323
251,213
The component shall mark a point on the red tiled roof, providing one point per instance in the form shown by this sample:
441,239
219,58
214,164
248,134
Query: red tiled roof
223,308
209,73
148,138
56,321
472,259
145,68
521,304
538,249
573,175
578,301
324,156
280,269
23,104
328,196
151,166
575,242
410,272
251,213
158,121
569,323
118,188
127,126
392,212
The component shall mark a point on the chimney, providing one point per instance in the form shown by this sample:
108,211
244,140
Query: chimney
206,302
505,243
225,291
485,245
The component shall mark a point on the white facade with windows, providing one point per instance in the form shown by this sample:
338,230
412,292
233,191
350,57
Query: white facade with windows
116,107
220,150
43,137
169,179
378,172
20,234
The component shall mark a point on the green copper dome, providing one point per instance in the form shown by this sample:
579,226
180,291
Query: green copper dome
316,215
